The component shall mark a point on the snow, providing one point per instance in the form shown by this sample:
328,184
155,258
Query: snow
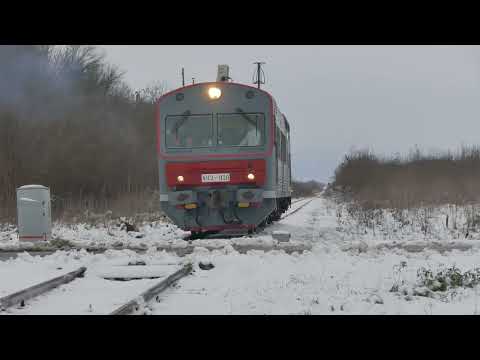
278,232
281,236
84,235
153,234
132,272
29,200
76,297
27,187
313,283
351,269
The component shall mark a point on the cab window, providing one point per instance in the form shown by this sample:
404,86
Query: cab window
241,129
189,131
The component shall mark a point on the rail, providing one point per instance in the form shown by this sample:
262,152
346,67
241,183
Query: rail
134,305
298,209
39,289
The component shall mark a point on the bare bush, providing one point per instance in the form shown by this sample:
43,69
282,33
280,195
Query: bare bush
68,121
416,180
305,189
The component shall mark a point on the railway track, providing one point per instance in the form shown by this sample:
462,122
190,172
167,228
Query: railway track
38,296
20,297
297,205
297,200
259,230
22,300
139,303
298,208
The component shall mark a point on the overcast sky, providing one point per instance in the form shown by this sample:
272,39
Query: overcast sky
386,98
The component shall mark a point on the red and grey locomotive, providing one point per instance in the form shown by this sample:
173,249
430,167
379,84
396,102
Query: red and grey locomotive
224,157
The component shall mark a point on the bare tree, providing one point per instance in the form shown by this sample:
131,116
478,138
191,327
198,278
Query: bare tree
69,121
153,91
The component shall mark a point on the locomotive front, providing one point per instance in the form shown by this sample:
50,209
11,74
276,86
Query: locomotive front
215,145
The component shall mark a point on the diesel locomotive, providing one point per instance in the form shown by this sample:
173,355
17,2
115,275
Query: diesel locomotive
224,157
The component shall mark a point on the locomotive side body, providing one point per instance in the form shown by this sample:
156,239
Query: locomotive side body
217,148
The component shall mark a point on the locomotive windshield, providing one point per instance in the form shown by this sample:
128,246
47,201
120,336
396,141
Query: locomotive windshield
240,129
189,131
233,130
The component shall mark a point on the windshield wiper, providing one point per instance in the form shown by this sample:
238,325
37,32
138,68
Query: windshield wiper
182,121
246,117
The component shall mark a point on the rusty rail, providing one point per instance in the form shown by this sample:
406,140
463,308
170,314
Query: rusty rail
134,305
39,289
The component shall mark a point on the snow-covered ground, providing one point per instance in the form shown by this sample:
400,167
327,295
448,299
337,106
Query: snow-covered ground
151,234
155,233
348,271
92,294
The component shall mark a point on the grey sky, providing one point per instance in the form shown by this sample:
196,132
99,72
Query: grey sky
386,98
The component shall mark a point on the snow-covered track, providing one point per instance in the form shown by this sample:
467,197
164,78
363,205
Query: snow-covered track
182,248
298,208
297,200
299,204
136,305
23,295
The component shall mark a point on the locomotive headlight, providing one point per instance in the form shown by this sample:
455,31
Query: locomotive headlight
214,93
180,178
251,176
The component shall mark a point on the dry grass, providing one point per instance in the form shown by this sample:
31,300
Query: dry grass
304,189
415,180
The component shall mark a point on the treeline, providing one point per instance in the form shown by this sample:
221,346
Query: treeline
418,179
68,121
306,188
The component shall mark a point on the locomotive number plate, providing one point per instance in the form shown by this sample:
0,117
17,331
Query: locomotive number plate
208,178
